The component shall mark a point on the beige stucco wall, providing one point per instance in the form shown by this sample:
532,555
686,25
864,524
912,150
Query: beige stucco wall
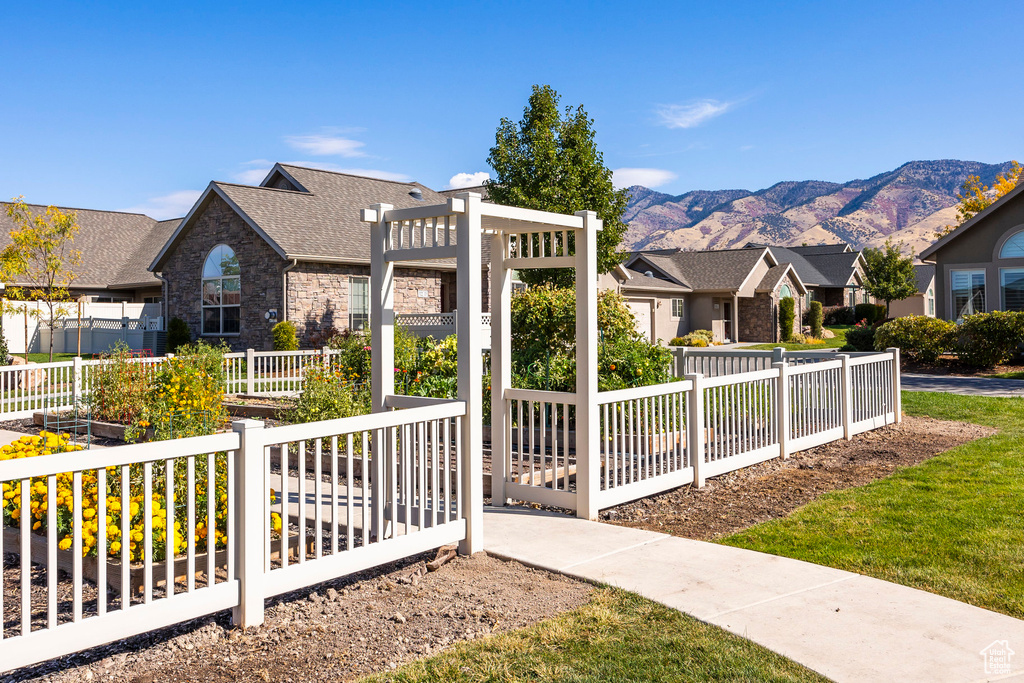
978,249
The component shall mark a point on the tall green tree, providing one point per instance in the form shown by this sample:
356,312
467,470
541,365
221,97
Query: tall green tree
890,275
38,264
549,161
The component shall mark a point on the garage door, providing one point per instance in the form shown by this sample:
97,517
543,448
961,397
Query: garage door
642,312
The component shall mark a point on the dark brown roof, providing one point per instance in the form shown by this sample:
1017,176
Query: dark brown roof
321,220
116,247
722,270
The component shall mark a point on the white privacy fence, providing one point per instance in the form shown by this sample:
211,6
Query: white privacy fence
651,439
437,325
282,508
90,327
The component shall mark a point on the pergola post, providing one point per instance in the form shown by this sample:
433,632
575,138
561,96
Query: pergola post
501,365
470,348
587,417
382,345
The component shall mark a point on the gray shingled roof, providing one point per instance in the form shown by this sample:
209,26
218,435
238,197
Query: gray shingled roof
722,270
479,189
835,269
116,247
822,248
639,280
822,265
323,221
924,272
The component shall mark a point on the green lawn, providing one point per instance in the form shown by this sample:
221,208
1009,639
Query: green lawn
836,342
951,525
617,636
45,357
1006,375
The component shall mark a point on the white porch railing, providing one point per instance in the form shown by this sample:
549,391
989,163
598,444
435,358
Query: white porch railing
655,438
342,511
437,325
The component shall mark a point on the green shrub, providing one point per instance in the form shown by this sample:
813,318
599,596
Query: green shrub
5,354
860,338
355,350
918,337
987,339
817,319
284,336
880,313
697,338
187,394
120,387
865,313
787,315
327,394
178,335
838,315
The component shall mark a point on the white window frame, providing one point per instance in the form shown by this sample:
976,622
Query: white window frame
955,314
931,302
358,320
220,306
1016,242
1002,286
681,315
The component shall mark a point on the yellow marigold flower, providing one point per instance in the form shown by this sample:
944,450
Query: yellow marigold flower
65,543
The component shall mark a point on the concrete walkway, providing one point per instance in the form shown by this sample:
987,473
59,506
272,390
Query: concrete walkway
971,386
845,626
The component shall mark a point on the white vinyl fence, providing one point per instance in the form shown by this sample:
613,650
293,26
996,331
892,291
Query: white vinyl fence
341,510
655,438
99,327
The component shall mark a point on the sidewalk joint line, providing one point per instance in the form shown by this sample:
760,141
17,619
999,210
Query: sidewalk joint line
613,552
784,595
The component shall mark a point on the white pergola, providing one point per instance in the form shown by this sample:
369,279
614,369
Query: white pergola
520,238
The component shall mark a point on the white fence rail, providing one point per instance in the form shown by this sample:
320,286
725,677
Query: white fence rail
86,582
98,326
716,362
659,437
437,325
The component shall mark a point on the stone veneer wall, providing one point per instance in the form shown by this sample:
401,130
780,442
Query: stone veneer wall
260,265
758,320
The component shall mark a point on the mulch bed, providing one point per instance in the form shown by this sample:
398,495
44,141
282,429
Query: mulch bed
770,490
337,631
951,365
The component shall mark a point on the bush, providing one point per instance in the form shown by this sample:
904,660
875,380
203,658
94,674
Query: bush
697,338
187,395
787,314
5,353
178,335
881,314
817,319
866,313
355,351
860,338
838,315
918,337
987,339
328,394
120,387
284,336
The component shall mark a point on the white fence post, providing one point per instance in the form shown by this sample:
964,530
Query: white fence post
501,366
251,518
695,427
468,239
588,452
897,397
76,380
325,355
782,407
250,371
847,396
778,355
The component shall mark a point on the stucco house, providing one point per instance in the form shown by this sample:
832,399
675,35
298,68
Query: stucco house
292,248
922,303
735,293
979,267
116,247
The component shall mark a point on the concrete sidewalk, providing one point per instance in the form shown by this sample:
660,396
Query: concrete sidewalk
845,626
970,386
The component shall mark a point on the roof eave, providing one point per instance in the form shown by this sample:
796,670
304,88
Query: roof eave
929,253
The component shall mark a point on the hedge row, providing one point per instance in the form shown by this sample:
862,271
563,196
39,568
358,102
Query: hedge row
981,340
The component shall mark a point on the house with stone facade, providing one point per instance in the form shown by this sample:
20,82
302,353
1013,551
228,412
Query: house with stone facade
292,248
735,293
833,273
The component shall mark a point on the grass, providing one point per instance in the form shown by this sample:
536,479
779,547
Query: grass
1006,375
836,342
950,525
617,636
45,357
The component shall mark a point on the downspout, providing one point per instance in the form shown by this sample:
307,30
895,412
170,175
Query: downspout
163,298
284,289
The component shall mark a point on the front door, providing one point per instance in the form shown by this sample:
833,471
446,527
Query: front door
727,320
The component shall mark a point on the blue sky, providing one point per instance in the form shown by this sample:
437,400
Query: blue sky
129,106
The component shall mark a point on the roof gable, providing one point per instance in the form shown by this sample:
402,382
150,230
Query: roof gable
719,270
998,204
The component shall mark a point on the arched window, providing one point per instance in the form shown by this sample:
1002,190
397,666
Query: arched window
222,292
785,292
1013,247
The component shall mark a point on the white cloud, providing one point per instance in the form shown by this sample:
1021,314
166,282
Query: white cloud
173,205
254,175
460,180
693,114
368,172
326,145
648,177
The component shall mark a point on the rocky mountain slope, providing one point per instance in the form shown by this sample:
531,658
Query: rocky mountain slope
908,203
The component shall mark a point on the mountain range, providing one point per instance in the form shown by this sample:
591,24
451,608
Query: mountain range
908,203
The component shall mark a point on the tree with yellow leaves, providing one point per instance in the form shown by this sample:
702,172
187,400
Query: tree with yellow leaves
38,263
975,196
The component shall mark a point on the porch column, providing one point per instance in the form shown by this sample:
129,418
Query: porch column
735,318
587,439
470,349
501,365
382,316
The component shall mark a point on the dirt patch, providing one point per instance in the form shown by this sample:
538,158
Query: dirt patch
769,490
367,622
